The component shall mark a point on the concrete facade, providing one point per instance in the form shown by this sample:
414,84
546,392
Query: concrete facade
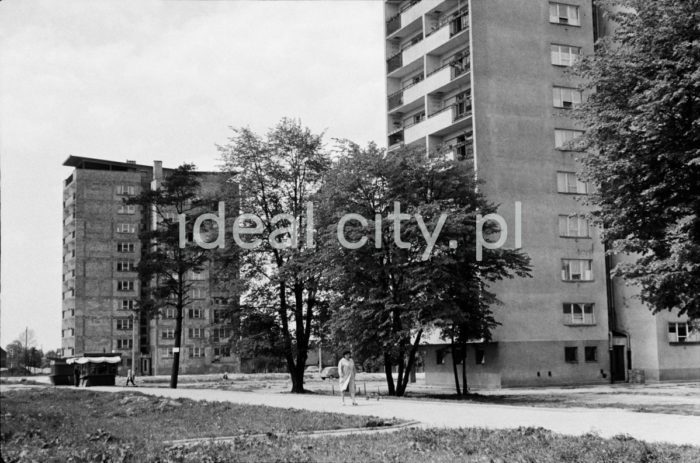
517,128
101,248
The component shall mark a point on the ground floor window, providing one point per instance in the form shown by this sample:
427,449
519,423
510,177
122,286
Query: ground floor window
571,354
591,353
683,332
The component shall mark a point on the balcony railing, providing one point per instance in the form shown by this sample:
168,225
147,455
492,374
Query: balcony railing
393,24
393,63
396,137
395,100
407,5
457,21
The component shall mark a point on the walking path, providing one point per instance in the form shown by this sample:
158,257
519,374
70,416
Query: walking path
607,422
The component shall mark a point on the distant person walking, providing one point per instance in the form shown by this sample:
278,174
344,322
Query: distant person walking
346,372
76,374
130,378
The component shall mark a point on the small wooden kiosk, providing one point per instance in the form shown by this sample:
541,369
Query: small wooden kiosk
95,369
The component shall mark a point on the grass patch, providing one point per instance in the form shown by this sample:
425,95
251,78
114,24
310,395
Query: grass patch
441,445
54,424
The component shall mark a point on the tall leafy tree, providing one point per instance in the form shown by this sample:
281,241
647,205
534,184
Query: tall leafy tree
168,261
643,136
278,174
395,286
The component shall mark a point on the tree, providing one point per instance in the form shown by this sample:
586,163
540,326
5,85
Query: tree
167,263
278,174
643,138
395,286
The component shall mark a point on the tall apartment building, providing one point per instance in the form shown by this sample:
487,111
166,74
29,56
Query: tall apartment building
101,248
486,82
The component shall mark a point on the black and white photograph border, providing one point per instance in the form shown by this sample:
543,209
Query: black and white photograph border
350,230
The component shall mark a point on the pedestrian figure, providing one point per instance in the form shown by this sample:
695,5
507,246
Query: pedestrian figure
346,372
130,378
76,374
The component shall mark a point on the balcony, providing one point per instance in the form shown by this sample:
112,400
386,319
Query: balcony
415,9
395,100
394,63
439,123
393,24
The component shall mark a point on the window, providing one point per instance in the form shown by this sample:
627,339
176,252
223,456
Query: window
197,276
567,182
166,352
578,313
565,97
125,324
68,332
126,190
573,226
125,247
195,333
195,313
480,357
170,312
571,354
565,139
222,351
683,332
196,352
560,13
576,270
128,304
125,343
125,285
220,333
126,228
126,266
218,316
564,55
168,333
590,353
440,356
462,105
196,293
127,209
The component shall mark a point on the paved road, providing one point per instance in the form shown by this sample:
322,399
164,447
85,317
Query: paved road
650,427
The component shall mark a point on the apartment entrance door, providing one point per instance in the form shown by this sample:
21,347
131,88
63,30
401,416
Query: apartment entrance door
145,366
618,363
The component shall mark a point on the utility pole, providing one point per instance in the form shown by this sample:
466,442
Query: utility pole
26,336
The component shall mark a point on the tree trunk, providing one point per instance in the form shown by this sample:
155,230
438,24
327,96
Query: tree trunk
453,352
403,384
389,375
176,350
465,386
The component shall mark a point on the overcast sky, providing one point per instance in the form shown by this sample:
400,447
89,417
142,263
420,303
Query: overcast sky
163,80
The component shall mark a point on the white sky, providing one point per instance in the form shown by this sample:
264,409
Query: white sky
163,80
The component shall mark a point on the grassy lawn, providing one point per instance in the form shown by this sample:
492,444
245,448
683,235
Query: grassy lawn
54,423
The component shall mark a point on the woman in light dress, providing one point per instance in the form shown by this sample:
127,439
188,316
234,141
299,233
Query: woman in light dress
346,372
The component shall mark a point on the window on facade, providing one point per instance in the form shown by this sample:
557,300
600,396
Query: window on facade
571,354
168,333
222,351
126,228
195,333
683,332
166,352
590,353
195,313
565,97
125,247
125,343
576,270
565,55
440,356
567,182
196,352
480,357
170,312
126,266
573,226
128,304
68,332
220,333
578,313
125,324
561,13
126,190
197,276
218,316
196,293
125,285
565,139
462,105
126,209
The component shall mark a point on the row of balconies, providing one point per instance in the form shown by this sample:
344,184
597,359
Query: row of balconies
438,39
418,127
